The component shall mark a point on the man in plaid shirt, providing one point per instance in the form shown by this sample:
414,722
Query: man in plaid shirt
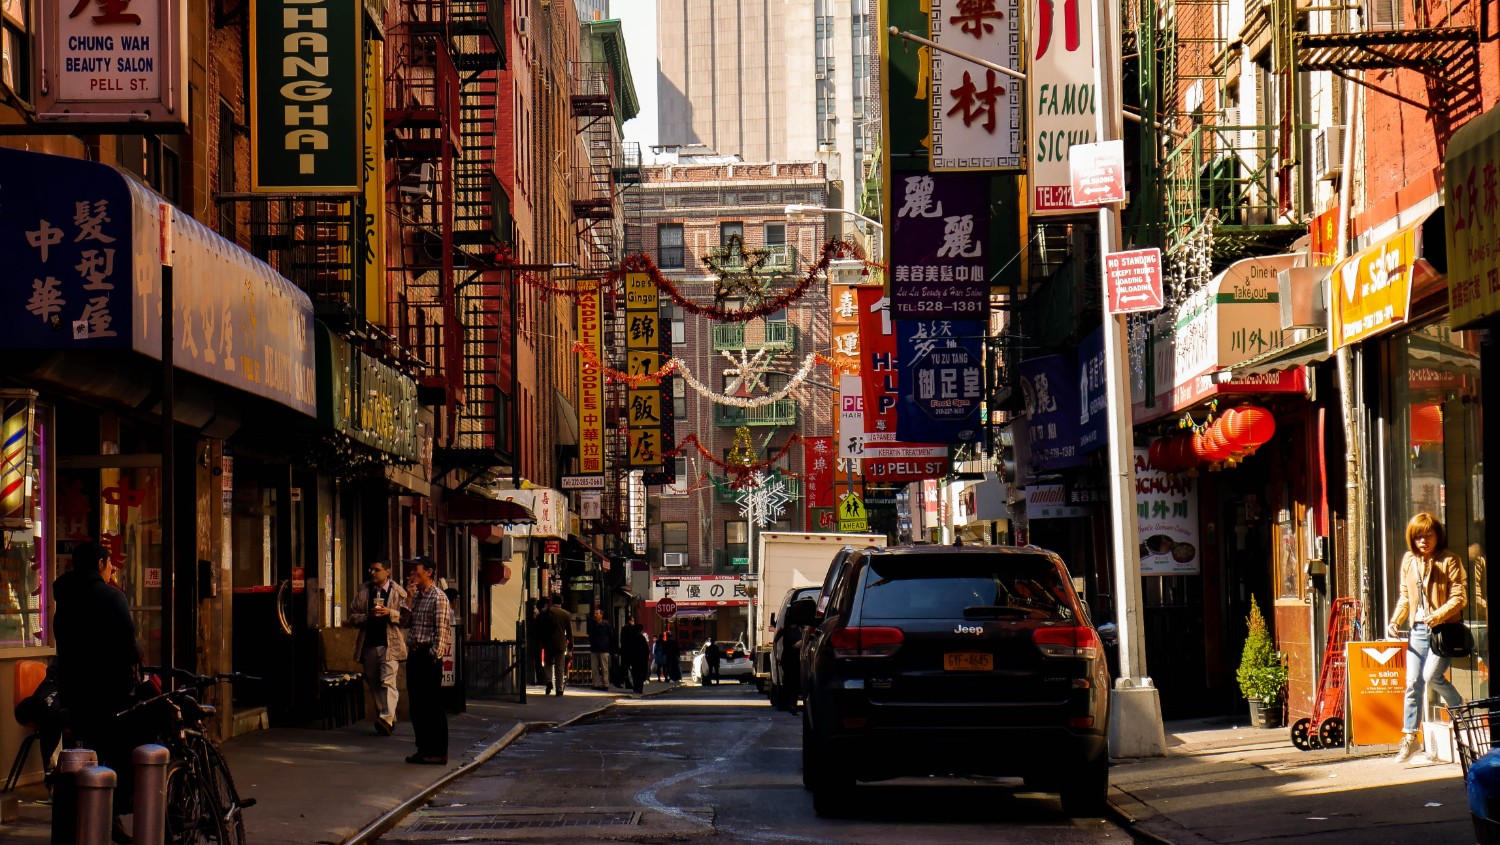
430,618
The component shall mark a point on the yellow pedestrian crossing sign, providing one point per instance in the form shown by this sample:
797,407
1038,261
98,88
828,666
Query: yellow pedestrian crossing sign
852,515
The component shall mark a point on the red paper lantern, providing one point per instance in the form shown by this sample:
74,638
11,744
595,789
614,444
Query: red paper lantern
1253,426
1426,424
1154,454
1182,453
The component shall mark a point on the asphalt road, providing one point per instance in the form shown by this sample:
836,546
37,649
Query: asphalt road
715,762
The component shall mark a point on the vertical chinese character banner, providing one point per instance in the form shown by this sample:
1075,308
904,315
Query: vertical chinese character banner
942,373
1167,512
976,111
590,387
1061,97
667,473
1093,422
879,381
908,75
373,213
845,341
1049,391
818,458
939,265
643,400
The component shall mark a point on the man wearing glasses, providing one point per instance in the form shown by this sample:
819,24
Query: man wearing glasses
379,646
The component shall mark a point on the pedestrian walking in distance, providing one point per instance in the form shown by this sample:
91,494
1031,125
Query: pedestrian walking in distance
659,656
1432,593
674,658
711,657
635,652
555,636
601,649
430,636
379,646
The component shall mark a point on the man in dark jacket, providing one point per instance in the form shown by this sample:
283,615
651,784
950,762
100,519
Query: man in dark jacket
555,637
712,654
635,653
601,648
97,660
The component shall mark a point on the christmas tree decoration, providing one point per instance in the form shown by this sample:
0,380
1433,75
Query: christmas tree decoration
742,452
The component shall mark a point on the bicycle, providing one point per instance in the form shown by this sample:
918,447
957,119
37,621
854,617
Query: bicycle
203,805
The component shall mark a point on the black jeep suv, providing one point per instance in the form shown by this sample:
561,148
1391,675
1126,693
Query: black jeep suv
967,661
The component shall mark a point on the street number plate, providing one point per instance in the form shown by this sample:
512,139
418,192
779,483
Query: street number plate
968,661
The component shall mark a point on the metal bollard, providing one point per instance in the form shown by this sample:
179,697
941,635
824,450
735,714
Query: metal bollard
96,805
65,793
150,800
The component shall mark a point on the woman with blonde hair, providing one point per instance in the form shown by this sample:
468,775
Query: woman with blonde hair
1432,593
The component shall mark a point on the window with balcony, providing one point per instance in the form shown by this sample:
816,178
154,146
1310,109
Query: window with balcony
15,48
731,232
669,250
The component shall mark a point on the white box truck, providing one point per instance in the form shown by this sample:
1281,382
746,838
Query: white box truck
788,559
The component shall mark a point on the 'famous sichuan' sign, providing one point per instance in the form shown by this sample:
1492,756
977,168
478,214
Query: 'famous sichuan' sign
306,132
1062,97
111,62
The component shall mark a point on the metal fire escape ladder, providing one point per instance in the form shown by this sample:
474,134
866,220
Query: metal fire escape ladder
592,102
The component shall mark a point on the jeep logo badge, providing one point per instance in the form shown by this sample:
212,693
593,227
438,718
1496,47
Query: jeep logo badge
968,629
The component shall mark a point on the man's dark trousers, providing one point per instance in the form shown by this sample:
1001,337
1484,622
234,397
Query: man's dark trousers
424,687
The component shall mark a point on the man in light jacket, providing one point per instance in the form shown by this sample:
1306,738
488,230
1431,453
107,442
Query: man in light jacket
376,611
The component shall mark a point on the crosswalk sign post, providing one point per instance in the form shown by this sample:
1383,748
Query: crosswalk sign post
852,515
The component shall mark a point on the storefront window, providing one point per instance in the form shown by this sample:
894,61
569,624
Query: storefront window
1437,461
25,576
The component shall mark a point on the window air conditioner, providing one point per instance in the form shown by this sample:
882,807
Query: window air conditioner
1229,116
1382,14
420,182
674,559
1328,153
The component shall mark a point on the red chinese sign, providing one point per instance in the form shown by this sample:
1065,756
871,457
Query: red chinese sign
817,468
1134,280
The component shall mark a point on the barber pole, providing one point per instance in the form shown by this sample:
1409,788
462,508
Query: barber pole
17,455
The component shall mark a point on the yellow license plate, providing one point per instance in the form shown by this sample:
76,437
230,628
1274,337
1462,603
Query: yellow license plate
968,661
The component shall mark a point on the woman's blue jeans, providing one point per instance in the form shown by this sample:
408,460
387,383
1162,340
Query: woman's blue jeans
1425,667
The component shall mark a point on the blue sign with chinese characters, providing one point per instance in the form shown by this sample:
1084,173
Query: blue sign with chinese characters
942,380
1049,388
1093,418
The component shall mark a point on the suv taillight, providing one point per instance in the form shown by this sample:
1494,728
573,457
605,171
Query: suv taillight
866,642
1067,642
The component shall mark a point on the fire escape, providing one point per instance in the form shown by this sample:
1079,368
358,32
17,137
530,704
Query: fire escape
421,113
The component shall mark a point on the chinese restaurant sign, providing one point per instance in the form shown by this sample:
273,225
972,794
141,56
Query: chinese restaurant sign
976,111
845,328
702,590
83,271
590,387
373,162
112,62
942,366
643,409
1166,508
364,399
306,127
1472,220
1062,97
1371,291
939,270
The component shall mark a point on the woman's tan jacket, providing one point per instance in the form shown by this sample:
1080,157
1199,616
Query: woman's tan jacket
1445,584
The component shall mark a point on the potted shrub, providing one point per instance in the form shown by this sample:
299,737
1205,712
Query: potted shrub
1262,673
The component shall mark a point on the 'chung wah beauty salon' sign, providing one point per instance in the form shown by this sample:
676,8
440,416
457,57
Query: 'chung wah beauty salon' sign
111,62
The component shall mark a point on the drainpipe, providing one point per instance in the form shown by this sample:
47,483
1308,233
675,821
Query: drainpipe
1353,470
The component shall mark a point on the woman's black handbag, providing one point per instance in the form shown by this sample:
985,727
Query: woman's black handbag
1452,639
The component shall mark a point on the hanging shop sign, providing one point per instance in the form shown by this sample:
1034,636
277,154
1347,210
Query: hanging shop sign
590,387
1166,509
83,271
583,482
939,266
1062,97
1093,420
643,355
372,160
1050,501
590,504
1471,221
364,399
116,64
1372,290
306,69
817,469
942,364
1234,317
548,506
976,111
1049,391
879,384
845,331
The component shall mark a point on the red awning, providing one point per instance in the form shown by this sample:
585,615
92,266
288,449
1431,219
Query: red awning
469,509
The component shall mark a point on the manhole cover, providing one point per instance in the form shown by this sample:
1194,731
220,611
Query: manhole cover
454,823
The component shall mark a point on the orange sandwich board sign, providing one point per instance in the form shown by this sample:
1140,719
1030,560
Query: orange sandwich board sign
1377,688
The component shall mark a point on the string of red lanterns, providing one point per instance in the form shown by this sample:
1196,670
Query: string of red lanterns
1224,441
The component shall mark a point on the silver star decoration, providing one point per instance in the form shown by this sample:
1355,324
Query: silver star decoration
749,370
764,500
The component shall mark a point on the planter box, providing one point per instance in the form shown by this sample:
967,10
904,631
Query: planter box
1262,716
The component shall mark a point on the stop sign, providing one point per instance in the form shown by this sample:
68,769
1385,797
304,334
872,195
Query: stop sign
666,608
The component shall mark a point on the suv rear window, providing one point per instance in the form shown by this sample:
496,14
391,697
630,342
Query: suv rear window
973,586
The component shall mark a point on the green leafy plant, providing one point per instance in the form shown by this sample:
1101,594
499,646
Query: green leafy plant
1262,673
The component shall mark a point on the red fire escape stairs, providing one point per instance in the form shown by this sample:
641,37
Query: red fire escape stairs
421,111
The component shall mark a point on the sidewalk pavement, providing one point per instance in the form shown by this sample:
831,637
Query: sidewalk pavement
1225,783
324,786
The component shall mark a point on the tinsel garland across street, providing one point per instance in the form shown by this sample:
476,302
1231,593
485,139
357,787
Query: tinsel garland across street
740,473
677,365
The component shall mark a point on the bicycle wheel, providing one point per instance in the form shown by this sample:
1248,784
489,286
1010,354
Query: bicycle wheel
193,815
216,773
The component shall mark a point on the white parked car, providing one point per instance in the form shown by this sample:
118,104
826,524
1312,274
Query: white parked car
734,665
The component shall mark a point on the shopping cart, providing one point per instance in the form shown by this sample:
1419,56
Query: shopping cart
1472,736
1325,729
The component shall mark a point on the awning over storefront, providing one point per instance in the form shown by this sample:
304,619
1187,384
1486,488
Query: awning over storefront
469,509
83,271
1234,318
550,507
567,420
587,546
1301,353
1372,291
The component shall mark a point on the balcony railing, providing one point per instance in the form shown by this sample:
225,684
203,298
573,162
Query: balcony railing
1229,172
780,412
776,335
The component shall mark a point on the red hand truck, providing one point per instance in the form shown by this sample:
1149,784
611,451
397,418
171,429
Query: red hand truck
1325,729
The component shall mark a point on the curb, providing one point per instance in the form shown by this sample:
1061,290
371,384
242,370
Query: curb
392,817
1131,825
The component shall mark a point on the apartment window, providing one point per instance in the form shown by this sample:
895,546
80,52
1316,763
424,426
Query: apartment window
775,234
679,407
670,246
731,231
154,158
226,169
679,326
15,46
736,533
674,537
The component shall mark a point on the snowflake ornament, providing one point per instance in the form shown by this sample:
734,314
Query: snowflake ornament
764,501
748,371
